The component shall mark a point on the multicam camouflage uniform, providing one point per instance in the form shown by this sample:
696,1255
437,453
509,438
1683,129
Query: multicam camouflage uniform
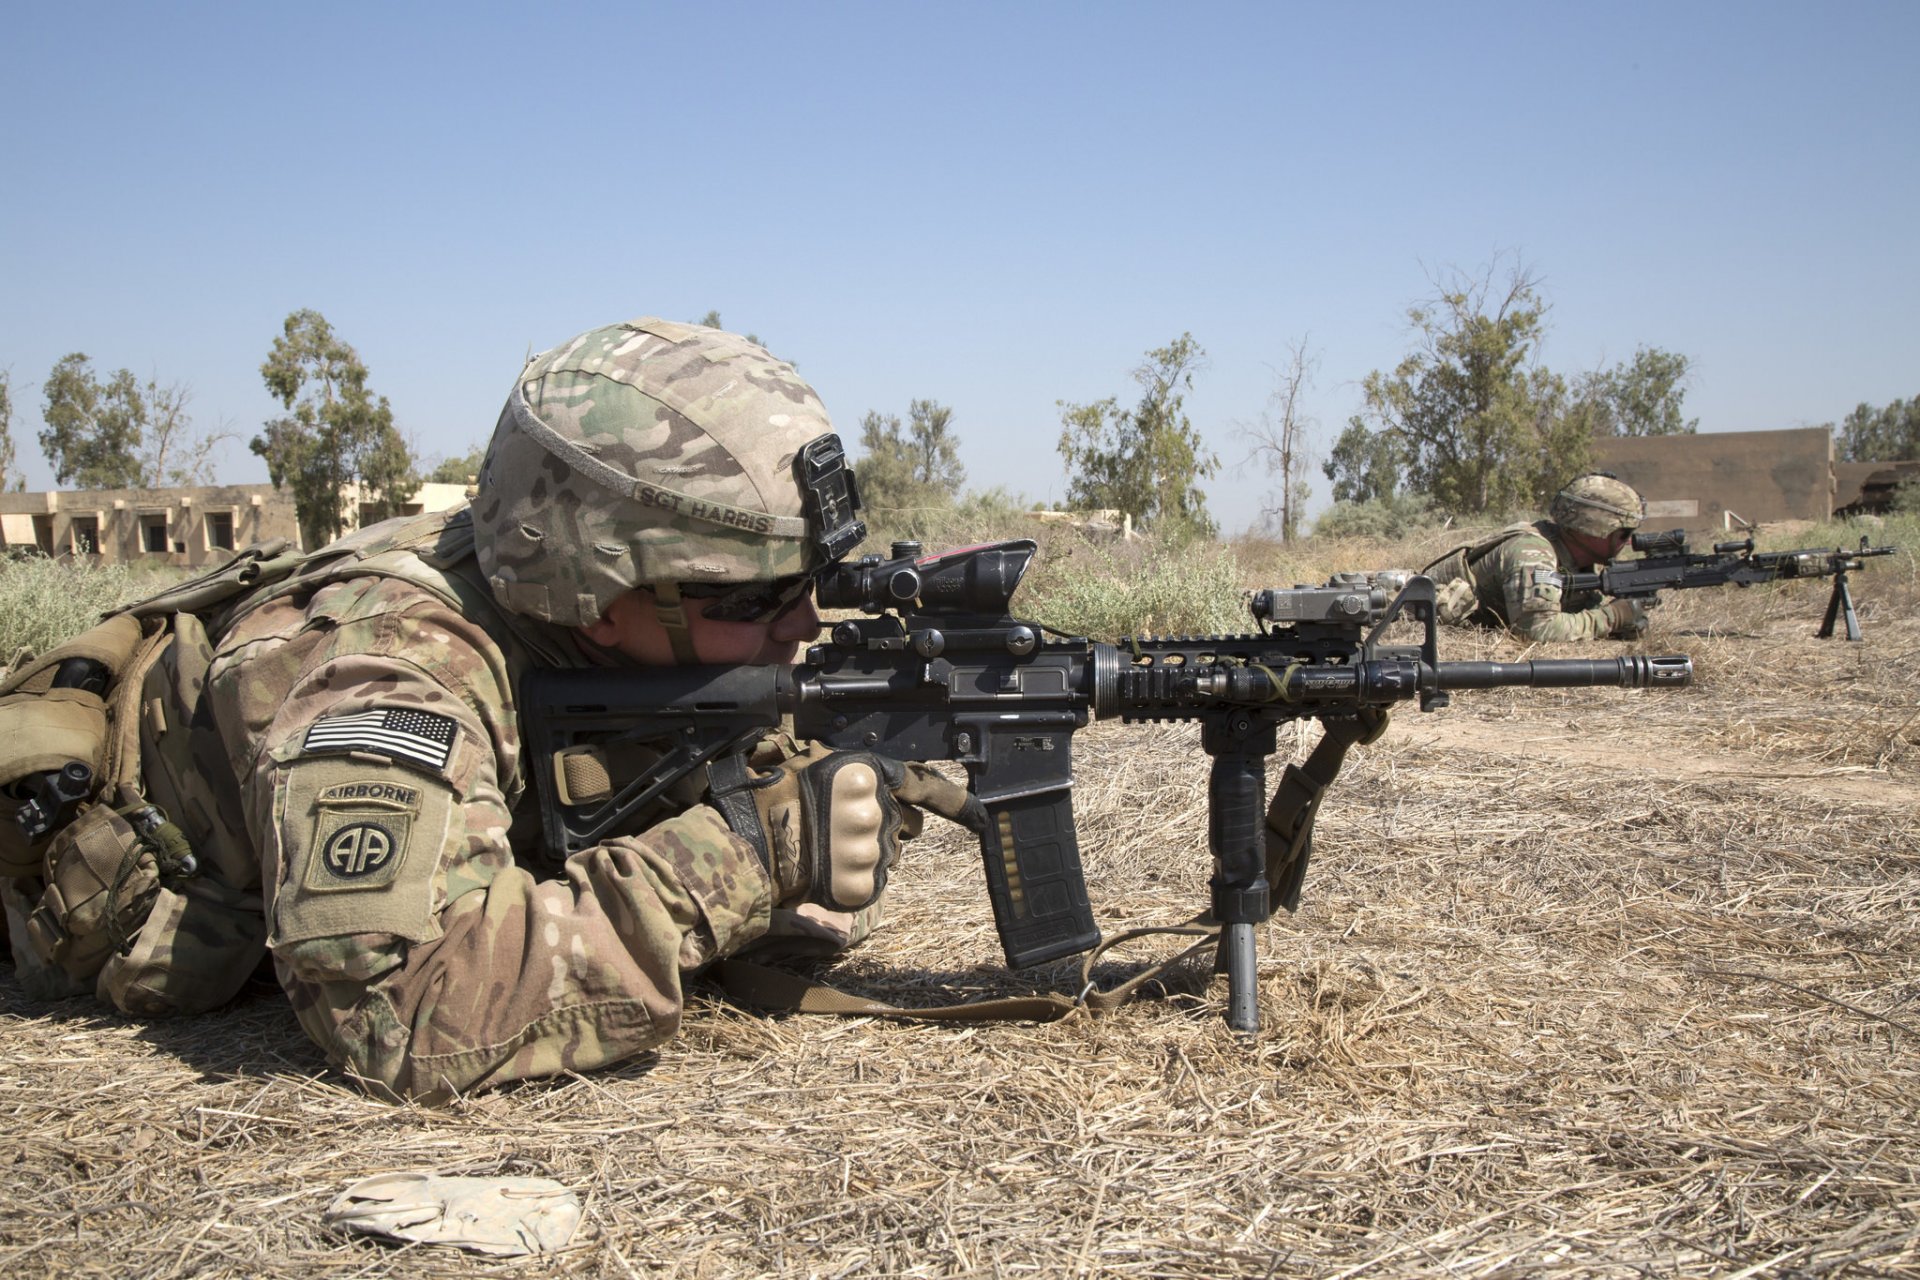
1517,581
345,755
416,949
1517,578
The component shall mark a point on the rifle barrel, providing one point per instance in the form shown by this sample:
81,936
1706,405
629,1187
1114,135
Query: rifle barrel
1633,672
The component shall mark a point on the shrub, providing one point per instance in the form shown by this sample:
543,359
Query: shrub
43,602
989,515
1109,590
1381,519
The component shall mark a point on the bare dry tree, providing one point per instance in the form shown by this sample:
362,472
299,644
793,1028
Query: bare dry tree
1279,441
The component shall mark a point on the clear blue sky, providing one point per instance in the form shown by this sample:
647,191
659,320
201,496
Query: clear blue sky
997,206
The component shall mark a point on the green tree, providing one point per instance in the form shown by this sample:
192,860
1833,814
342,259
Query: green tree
1364,465
122,433
10,477
1146,461
459,470
1890,434
94,428
1641,397
1468,418
335,433
712,321
911,468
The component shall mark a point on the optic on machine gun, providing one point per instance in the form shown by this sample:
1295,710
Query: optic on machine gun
1665,543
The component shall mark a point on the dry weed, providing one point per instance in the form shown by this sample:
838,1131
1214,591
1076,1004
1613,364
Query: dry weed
1586,983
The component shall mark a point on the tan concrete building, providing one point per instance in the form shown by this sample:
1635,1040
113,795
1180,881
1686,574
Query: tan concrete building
186,527
1863,488
1726,480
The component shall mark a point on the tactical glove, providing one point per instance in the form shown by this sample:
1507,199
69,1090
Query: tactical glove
1629,618
828,824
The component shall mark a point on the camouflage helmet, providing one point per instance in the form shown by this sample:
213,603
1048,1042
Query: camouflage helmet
1596,505
652,453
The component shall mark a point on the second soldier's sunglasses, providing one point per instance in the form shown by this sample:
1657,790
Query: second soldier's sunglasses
748,601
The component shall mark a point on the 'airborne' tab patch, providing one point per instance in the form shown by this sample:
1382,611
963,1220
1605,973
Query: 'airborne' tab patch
399,733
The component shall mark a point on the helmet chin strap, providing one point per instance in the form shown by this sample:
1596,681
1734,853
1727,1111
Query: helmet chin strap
673,620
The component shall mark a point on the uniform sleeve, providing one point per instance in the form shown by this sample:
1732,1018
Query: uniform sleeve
381,762
1533,594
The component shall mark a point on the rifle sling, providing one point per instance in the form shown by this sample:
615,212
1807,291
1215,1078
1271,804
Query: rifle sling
769,988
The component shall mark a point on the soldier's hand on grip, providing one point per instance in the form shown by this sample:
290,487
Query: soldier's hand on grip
1629,618
829,824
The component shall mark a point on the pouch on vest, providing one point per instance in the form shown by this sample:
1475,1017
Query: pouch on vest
101,879
56,748
72,723
200,944
184,767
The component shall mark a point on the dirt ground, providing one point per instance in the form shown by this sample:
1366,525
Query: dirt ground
1595,983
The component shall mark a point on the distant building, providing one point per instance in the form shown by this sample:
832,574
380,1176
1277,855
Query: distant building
1867,488
428,497
188,527
1726,480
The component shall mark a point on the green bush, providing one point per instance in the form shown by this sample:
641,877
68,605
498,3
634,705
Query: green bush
43,602
1383,519
989,515
1109,590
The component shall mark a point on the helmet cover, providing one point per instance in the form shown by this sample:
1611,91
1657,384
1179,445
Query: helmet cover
1596,505
642,453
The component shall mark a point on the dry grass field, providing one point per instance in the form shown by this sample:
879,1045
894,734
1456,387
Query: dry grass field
1594,983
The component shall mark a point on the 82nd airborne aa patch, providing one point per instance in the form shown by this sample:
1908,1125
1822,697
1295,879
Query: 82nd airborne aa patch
360,835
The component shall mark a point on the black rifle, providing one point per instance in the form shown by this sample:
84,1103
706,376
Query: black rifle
938,669
1666,564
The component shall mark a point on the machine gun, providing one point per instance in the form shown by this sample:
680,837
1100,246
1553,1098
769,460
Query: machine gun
937,668
1666,563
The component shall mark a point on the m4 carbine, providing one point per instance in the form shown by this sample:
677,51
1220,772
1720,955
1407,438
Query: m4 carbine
937,668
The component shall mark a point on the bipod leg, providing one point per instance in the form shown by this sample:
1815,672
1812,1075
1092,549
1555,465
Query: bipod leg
1840,607
1242,962
1242,898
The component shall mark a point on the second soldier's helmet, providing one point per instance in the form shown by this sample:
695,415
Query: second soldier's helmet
1596,505
652,453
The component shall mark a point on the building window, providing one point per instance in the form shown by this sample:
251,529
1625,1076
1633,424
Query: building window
219,530
153,534
43,533
84,533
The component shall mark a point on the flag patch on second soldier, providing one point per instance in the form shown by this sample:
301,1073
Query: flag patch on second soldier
399,733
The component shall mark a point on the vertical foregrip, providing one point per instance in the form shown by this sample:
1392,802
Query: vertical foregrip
1237,796
1039,892
1242,898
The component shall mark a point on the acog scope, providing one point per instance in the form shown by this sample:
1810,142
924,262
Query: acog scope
970,581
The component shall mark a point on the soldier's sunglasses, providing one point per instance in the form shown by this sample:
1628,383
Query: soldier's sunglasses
749,601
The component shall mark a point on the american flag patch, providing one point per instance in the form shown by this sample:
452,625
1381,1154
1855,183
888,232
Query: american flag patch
401,733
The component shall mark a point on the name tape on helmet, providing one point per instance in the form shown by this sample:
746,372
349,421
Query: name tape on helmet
647,493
